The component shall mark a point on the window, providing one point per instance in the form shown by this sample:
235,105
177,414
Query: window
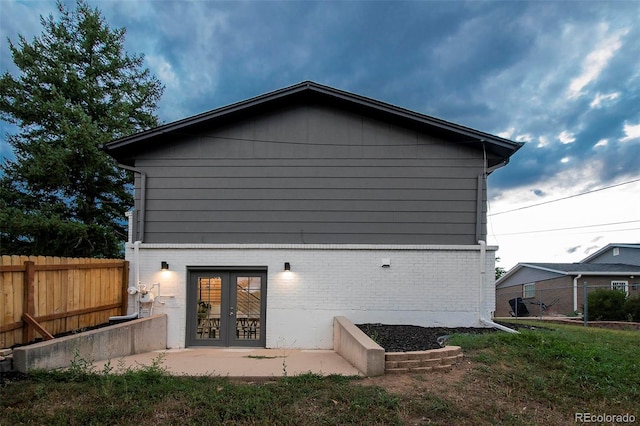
620,285
529,291
616,251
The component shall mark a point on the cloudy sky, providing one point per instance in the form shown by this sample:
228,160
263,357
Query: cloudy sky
562,76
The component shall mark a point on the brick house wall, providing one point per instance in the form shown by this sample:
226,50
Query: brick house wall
424,285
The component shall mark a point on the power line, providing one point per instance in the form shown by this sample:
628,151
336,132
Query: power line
565,198
573,227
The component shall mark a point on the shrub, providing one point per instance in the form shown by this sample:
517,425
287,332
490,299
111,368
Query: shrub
607,305
632,308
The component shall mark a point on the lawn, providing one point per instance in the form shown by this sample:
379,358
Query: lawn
541,376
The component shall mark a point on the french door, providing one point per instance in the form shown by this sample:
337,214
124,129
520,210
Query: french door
226,307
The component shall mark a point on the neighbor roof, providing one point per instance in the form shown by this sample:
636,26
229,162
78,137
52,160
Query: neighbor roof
575,269
607,247
498,149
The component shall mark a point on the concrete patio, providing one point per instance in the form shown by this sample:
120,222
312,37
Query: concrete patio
243,363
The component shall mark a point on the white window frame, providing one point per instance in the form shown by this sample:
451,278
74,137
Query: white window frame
620,285
529,290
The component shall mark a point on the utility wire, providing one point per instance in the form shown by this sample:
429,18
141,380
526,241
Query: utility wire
418,142
565,198
573,227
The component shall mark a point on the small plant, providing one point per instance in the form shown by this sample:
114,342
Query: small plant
80,367
156,367
284,355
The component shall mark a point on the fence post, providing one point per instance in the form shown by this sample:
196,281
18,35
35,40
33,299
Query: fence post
540,306
125,287
585,304
28,306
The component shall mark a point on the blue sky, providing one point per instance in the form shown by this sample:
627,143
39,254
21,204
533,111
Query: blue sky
562,76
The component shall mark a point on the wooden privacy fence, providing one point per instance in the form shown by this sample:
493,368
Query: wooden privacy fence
46,296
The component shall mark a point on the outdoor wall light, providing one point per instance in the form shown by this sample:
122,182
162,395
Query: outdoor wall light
164,266
287,266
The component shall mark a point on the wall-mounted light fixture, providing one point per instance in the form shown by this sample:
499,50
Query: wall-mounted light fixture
164,266
287,266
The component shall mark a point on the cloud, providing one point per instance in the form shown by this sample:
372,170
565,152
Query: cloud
504,68
596,61
163,70
572,250
631,132
542,141
599,98
566,137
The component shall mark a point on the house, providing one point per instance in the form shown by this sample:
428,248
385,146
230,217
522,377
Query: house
558,288
257,223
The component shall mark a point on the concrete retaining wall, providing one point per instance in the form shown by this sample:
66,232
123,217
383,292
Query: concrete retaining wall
132,337
357,348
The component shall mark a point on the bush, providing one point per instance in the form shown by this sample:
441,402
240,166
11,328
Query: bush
632,309
607,305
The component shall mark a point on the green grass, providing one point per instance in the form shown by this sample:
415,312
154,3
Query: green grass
571,368
539,376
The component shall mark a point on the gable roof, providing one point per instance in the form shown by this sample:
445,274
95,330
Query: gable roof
574,269
585,268
606,248
498,149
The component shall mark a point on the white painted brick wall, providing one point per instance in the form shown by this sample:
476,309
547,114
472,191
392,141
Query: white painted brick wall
425,285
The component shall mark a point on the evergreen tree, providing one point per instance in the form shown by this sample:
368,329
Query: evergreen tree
77,90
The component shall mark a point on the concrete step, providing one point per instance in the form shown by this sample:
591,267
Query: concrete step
421,361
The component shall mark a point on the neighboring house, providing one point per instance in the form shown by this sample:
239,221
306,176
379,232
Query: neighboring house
275,214
558,288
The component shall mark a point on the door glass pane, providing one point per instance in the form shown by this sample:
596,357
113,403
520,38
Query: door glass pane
248,308
208,308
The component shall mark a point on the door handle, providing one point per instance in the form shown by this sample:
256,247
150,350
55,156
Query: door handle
231,312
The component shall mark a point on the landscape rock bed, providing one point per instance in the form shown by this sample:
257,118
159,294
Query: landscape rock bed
409,338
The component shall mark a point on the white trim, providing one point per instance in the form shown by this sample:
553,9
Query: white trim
314,247
625,285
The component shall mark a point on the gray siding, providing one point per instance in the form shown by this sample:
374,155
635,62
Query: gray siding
311,175
626,255
528,275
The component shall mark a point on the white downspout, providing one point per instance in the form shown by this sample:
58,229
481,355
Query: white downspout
136,261
498,326
483,267
483,272
575,292
483,245
143,201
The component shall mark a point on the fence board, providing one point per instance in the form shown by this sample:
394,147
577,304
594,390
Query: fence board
61,294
